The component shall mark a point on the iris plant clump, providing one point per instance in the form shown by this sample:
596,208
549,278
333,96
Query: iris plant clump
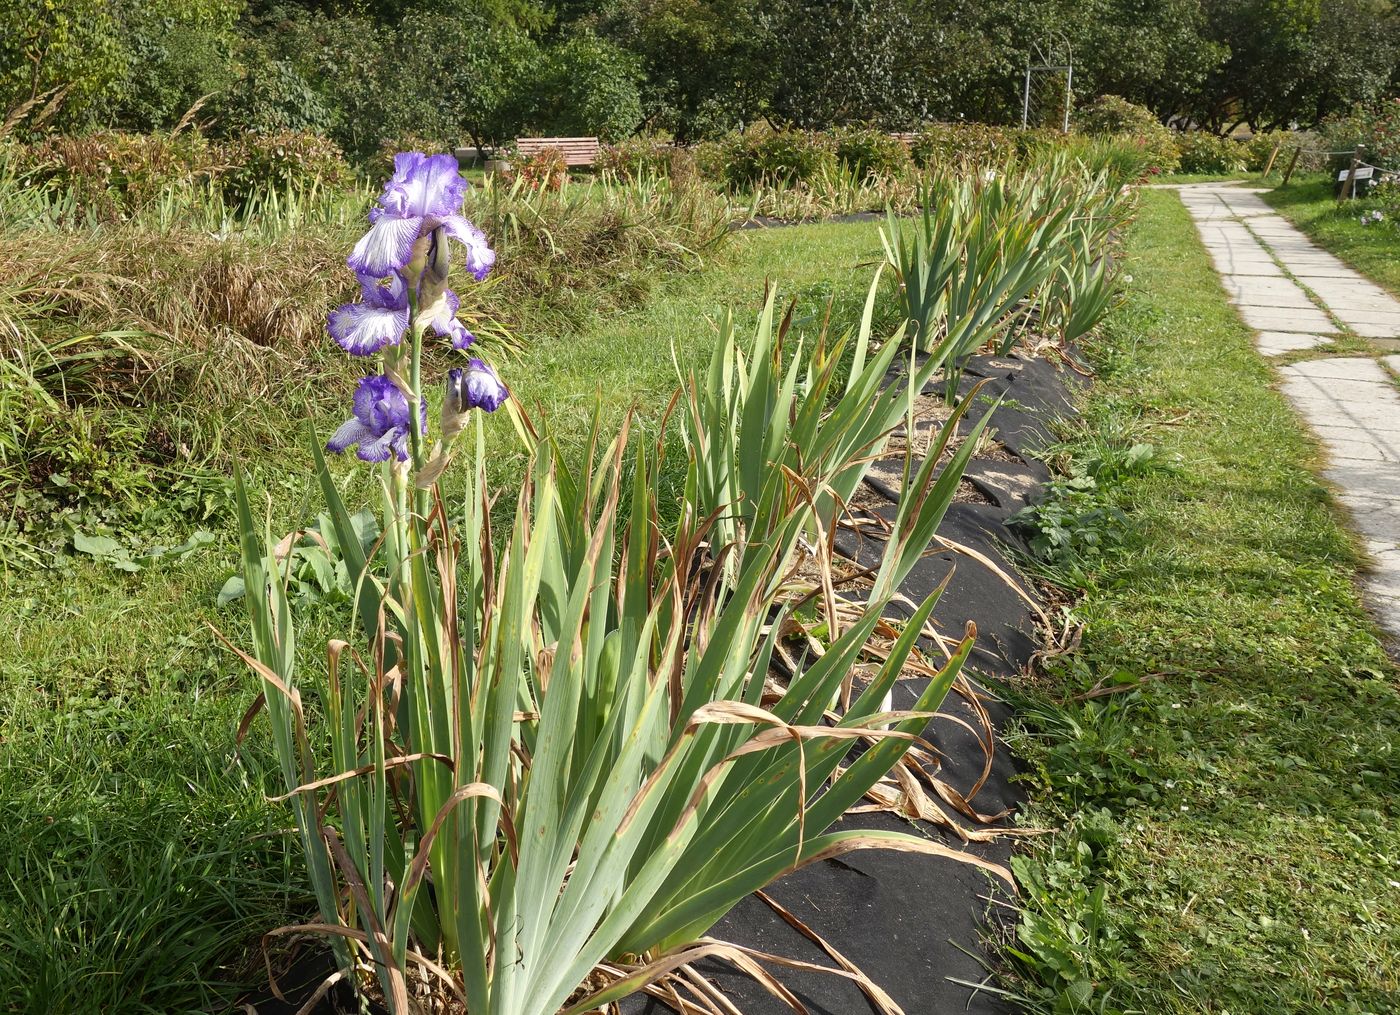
555,757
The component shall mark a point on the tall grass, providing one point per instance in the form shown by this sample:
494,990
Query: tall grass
202,323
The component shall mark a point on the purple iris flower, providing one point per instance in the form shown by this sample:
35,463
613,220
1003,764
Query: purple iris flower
424,194
380,424
380,319
475,387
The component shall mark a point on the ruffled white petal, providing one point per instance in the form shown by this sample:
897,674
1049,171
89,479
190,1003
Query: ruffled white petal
362,329
352,431
387,246
480,256
379,449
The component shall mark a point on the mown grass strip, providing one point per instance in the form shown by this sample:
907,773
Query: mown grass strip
1230,825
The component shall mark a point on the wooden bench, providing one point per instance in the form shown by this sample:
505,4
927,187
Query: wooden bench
578,151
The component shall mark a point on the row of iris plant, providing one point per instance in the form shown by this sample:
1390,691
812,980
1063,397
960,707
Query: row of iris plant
990,258
557,756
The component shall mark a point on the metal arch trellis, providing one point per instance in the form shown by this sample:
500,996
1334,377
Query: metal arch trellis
1056,57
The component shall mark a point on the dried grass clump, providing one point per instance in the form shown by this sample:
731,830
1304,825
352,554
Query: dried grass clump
275,297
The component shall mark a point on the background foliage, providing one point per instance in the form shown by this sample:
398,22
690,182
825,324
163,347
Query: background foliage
692,69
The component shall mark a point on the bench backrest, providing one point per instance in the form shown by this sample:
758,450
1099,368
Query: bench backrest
578,151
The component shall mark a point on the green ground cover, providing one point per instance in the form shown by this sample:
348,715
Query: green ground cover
146,859
1176,178
1229,830
1309,204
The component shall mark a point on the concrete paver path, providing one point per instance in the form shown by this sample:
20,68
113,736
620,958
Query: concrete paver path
1297,296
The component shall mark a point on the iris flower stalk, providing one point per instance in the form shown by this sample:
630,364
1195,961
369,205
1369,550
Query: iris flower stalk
403,263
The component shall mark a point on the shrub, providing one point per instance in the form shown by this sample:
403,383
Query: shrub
869,152
1259,147
710,159
1387,195
1113,114
648,155
112,172
283,159
545,168
1203,152
1158,149
963,146
1377,127
780,156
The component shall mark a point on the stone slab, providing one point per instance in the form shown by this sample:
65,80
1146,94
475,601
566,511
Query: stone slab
1322,372
1351,443
1306,270
1337,296
1227,266
1367,330
1311,320
1276,343
1245,296
1352,314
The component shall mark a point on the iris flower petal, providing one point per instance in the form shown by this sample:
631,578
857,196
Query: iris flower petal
352,431
380,423
480,388
461,337
387,247
480,256
362,329
432,187
378,449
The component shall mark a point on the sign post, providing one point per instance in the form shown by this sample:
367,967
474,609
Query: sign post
1349,188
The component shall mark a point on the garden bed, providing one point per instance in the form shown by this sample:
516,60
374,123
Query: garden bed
916,926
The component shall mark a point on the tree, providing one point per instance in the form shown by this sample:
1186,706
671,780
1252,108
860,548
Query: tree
1295,61
587,86
72,46
1156,54
707,66
850,61
174,53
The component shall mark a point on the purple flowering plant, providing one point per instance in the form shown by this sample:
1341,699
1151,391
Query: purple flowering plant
404,580
403,263
525,782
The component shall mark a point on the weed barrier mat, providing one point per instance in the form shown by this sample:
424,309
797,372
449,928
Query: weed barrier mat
916,925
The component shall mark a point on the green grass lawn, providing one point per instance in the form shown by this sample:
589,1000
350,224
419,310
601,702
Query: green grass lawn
1175,178
1238,808
142,861
1308,203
